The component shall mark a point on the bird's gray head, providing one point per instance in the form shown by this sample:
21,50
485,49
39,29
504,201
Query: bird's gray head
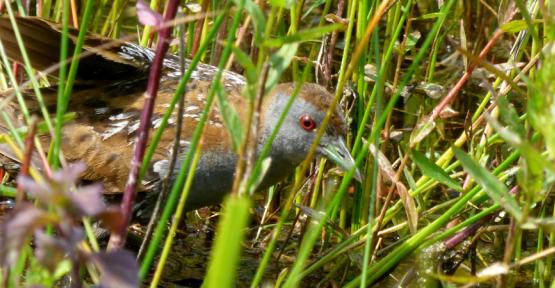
301,125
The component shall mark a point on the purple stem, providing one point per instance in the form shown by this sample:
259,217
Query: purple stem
117,239
470,230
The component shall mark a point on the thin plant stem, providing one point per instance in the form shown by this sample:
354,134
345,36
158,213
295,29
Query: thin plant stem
117,239
181,178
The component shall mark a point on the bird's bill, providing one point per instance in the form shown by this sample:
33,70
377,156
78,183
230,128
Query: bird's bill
338,152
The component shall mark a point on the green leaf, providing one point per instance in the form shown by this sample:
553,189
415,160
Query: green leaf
432,15
531,173
433,171
531,169
282,3
64,267
410,180
245,61
7,191
541,103
510,116
412,39
424,127
230,116
259,174
511,137
314,5
304,35
251,72
514,26
279,62
227,247
496,190
258,19
410,207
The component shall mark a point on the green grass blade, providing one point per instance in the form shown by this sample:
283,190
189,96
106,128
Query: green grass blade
496,190
433,171
227,247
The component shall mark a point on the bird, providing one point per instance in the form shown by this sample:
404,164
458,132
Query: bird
108,97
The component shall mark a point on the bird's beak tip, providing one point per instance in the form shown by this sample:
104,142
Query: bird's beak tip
340,154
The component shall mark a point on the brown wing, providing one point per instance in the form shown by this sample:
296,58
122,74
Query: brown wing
102,59
107,102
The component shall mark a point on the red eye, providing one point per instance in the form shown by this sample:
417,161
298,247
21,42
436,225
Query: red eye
307,123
